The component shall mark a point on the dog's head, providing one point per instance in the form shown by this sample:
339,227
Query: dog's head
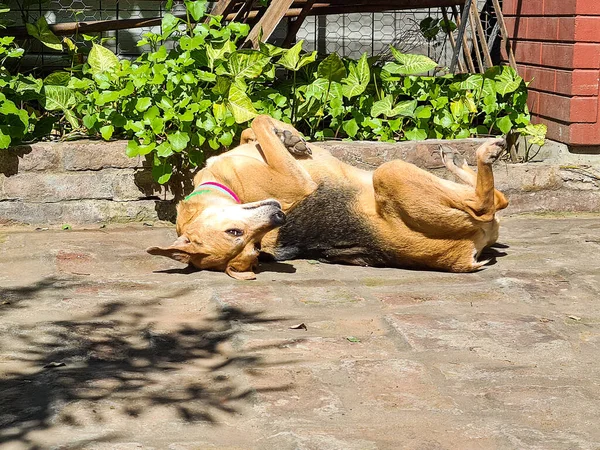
222,235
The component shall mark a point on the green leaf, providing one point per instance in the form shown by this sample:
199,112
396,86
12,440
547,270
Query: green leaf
416,134
240,105
409,64
164,150
197,9
358,80
41,31
317,88
59,78
291,57
102,59
107,97
404,108
504,124
4,140
58,98
178,140
169,24
90,121
383,106
508,81
143,103
332,68
162,171
247,64
536,133
350,127
473,82
107,132
132,149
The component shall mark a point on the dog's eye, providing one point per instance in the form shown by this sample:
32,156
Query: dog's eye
235,232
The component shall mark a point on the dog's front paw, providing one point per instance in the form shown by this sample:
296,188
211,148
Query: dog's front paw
294,143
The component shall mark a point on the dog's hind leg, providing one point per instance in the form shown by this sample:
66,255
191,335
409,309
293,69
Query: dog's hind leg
457,165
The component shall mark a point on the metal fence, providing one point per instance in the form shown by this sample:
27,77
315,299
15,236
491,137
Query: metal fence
346,34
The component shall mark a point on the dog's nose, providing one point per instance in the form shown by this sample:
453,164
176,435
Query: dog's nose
278,218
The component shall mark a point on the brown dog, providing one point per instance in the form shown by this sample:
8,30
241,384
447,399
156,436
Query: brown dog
396,216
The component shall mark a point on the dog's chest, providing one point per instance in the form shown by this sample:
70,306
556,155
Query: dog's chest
326,226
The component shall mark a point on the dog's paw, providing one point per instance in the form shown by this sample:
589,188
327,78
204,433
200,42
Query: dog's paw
491,151
295,144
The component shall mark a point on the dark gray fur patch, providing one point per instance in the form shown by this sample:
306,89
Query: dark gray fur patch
325,226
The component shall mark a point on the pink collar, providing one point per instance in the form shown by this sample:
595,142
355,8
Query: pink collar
206,187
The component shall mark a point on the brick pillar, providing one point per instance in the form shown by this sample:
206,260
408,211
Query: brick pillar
557,47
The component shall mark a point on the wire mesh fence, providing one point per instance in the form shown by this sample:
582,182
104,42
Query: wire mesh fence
346,34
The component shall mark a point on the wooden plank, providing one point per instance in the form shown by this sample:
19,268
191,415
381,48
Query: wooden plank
471,19
462,25
273,15
482,41
461,66
505,36
294,27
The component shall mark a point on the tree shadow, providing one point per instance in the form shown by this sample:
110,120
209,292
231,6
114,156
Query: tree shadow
70,370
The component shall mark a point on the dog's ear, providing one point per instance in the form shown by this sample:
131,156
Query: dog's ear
248,275
180,250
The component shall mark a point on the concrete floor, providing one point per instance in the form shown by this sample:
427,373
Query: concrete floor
105,347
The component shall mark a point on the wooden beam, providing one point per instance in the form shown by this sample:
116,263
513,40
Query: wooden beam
505,36
461,66
482,41
266,25
294,27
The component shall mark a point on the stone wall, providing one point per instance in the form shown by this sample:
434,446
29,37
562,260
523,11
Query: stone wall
87,182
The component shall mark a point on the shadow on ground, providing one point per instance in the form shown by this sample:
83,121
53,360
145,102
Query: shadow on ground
115,363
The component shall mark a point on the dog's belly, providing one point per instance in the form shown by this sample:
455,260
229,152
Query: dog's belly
326,226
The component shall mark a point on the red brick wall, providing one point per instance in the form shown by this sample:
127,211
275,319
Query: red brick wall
557,47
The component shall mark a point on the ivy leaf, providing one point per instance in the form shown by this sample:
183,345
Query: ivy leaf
504,124
350,127
178,140
240,105
107,132
332,68
102,59
132,149
416,134
169,24
164,150
41,31
143,103
536,133
162,171
197,9
4,140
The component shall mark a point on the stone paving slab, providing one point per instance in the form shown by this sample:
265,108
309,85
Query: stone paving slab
105,347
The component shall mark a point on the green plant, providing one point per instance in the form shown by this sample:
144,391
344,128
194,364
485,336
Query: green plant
194,92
